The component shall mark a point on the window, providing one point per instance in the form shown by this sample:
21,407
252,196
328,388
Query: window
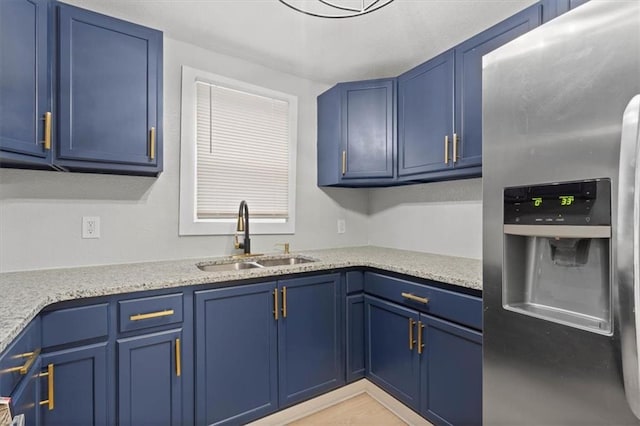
238,142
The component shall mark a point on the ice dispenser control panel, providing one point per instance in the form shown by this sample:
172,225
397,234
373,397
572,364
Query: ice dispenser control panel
569,203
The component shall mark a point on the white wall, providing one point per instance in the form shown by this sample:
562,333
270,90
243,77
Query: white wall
40,211
440,217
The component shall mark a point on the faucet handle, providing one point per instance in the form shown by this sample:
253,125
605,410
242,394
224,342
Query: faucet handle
285,246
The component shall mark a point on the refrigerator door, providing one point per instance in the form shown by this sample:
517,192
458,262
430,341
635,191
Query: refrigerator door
628,256
553,102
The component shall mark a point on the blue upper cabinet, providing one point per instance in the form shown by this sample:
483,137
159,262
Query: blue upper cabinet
109,93
425,117
356,134
466,143
79,92
554,8
25,95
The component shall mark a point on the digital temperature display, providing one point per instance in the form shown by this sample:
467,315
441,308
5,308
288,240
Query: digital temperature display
585,203
566,200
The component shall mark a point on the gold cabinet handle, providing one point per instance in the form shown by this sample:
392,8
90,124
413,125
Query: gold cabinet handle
455,147
150,315
49,374
411,341
178,359
47,130
152,143
415,298
446,149
420,344
275,304
344,162
24,368
284,302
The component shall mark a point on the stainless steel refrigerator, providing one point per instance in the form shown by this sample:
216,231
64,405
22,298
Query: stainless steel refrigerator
560,221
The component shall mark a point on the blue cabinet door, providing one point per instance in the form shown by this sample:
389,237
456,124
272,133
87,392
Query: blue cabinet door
25,95
236,354
329,134
355,359
80,377
425,117
109,94
469,82
25,399
393,362
149,379
310,349
368,130
451,370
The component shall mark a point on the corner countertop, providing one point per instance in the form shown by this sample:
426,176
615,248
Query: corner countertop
25,294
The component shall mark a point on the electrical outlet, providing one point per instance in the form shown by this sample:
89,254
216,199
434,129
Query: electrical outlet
342,226
90,226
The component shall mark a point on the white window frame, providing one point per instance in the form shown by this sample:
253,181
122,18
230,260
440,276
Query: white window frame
190,224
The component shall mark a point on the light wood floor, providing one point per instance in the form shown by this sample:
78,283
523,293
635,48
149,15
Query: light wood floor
359,410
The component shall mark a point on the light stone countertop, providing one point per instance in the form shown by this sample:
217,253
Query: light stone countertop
25,294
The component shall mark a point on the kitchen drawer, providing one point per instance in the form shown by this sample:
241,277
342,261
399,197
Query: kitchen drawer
75,324
146,312
457,307
355,281
22,352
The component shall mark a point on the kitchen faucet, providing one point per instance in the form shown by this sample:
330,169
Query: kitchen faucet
243,225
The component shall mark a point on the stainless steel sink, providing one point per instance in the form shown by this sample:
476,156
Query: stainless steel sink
231,266
280,261
238,265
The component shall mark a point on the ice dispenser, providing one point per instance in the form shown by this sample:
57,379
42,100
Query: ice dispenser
557,253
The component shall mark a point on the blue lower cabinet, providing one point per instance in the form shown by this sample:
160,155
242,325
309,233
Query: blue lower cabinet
393,361
149,379
25,399
236,354
310,348
451,369
77,381
355,338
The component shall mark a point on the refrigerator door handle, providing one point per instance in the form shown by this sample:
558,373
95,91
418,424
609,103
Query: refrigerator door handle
627,253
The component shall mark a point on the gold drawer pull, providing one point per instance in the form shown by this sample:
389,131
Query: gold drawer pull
446,149
47,131
415,298
344,162
178,359
275,304
411,341
49,374
420,344
455,148
152,143
284,302
150,315
23,369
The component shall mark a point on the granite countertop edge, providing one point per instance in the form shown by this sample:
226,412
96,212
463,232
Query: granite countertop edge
23,295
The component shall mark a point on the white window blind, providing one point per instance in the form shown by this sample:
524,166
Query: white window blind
242,153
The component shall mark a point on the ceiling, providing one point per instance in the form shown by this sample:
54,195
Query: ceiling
384,43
